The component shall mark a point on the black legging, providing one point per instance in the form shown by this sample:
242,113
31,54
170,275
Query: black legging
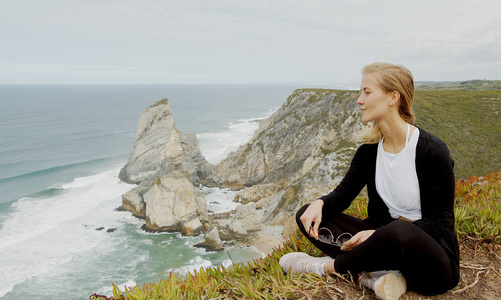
399,245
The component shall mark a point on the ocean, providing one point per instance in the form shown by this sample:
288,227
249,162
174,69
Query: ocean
61,148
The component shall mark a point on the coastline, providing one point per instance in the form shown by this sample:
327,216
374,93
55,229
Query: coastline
69,125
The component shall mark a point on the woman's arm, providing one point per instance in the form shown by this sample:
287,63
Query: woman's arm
312,217
353,182
342,196
357,239
437,186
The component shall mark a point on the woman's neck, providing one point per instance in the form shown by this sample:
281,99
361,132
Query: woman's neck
395,133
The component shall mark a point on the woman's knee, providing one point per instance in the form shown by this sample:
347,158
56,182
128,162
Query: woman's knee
398,231
299,213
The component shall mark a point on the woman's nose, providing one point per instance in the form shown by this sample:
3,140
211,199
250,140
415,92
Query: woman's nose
360,100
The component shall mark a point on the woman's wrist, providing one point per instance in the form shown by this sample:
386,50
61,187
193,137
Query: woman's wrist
319,202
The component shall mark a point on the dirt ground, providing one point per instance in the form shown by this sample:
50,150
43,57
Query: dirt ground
480,278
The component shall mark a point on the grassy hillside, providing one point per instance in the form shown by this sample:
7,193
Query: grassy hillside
468,122
470,85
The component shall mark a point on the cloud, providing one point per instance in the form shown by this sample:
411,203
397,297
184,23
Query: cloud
245,41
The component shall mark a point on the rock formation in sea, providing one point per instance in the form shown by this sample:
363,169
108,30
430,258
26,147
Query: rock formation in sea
296,155
159,148
166,164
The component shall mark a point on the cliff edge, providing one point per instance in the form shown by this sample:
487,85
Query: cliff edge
297,154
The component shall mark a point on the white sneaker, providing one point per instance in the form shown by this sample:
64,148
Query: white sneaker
297,262
388,285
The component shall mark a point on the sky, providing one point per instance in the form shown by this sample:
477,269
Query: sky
245,42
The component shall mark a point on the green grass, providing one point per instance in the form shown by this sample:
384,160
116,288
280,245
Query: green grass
468,122
478,217
466,116
261,278
478,207
470,85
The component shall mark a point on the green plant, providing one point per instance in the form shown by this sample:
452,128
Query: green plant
477,210
468,122
478,207
358,207
261,278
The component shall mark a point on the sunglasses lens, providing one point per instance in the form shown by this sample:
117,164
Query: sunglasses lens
324,236
343,238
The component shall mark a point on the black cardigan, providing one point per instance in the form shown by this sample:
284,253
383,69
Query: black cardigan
434,168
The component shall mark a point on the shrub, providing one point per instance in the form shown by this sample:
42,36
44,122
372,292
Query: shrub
478,207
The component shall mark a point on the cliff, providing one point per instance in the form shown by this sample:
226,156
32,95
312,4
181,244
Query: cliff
308,127
295,155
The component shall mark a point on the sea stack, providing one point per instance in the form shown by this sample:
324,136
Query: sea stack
159,148
166,164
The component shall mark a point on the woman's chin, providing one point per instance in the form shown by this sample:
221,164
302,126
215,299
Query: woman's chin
366,120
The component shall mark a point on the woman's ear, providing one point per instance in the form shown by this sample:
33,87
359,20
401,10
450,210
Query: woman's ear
394,97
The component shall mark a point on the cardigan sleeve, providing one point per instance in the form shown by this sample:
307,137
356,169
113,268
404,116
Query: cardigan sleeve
355,179
437,186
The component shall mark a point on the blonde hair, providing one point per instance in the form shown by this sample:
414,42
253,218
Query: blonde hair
392,78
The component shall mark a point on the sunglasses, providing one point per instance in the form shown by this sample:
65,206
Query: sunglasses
326,236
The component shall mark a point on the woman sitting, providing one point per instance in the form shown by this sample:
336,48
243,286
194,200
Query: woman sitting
408,240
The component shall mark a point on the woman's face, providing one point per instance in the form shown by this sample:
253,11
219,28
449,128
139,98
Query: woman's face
373,101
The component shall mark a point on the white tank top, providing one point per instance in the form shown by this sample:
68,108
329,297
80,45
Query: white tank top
396,179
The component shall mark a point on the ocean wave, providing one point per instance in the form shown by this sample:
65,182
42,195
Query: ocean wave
218,200
50,192
56,169
43,234
194,264
141,231
246,121
108,291
93,135
49,238
215,146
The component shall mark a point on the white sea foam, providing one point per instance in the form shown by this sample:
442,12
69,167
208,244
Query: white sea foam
128,284
218,200
108,290
50,240
194,264
215,146
42,234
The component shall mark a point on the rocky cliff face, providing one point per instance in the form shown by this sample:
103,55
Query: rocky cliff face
289,144
159,148
166,164
304,149
172,201
295,156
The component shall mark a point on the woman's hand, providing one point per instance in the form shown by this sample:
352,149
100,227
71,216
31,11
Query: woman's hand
357,239
312,217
